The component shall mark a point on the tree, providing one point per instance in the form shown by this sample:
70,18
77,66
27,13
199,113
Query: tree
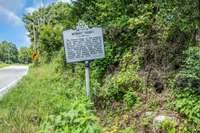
8,52
45,27
24,56
161,29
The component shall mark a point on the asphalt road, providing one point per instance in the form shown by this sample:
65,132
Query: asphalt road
9,76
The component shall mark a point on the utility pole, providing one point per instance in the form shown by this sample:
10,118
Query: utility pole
34,35
39,21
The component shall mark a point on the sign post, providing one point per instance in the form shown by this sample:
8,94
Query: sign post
87,77
84,44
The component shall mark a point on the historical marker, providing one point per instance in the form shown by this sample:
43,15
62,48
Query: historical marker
84,44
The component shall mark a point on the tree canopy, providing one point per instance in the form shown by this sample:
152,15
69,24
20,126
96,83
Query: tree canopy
8,52
161,29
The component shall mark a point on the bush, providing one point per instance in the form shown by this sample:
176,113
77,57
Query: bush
167,126
189,105
78,119
118,84
188,80
130,99
59,61
189,76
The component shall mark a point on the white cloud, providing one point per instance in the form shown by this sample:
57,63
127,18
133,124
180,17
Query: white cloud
36,5
10,16
65,1
30,9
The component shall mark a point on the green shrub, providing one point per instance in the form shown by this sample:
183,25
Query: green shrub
78,119
118,84
153,104
130,99
188,80
59,61
189,76
100,67
128,130
189,104
167,126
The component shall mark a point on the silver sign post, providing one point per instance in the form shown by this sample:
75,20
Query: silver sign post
87,77
84,44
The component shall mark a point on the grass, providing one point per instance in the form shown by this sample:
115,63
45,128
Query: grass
40,98
3,65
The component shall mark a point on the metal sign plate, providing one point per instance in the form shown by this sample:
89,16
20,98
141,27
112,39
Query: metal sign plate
83,44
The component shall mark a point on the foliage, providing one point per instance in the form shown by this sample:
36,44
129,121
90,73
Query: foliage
167,126
188,80
50,40
128,130
77,119
189,76
45,28
187,103
8,52
100,67
130,99
187,84
59,61
25,55
160,29
126,79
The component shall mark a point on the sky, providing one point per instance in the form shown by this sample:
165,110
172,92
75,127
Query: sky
11,25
